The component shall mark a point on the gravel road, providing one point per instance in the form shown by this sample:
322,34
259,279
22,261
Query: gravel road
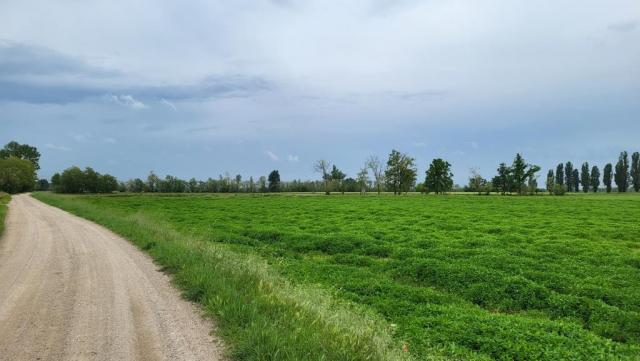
72,290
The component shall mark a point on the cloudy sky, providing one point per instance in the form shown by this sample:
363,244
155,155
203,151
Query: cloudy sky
200,88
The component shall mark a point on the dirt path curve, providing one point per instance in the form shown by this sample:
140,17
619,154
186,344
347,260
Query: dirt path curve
72,290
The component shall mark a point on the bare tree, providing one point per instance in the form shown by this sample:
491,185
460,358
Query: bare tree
324,168
375,165
363,179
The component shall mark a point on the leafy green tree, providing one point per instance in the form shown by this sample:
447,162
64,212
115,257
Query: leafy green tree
503,182
575,180
606,178
621,175
193,186
409,175
635,171
55,182
400,174
72,180
90,180
595,178
521,172
439,177
568,176
17,175
550,183
107,183
21,151
585,177
172,184
153,182
337,177
560,174
349,185
135,185
274,181
42,185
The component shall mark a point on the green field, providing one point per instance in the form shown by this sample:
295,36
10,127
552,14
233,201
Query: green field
349,277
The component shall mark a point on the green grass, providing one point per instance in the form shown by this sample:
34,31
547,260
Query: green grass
465,277
4,199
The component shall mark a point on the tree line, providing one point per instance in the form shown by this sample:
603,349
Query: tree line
75,180
20,162
568,178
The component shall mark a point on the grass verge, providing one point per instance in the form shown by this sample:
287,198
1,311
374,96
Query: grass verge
4,199
260,315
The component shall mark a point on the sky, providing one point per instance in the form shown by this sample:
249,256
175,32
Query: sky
201,88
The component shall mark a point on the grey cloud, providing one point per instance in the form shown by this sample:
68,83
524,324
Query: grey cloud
625,26
423,95
39,75
213,86
17,59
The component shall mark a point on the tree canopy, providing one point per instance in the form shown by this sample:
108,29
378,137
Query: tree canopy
17,175
75,180
607,177
274,181
621,176
21,151
439,178
401,171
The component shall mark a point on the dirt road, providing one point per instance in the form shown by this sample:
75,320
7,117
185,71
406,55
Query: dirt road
72,290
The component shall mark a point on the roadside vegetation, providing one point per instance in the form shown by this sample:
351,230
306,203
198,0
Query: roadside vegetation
4,199
355,278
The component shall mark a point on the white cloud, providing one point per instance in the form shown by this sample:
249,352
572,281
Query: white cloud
169,104
82,137
272,156
126,101
57,147
293,158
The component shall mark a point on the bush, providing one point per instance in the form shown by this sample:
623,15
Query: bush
559,190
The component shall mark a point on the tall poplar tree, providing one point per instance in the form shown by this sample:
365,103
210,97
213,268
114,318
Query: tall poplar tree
560,174
606,178
568,176
585,177
621,175
635,171
595,178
